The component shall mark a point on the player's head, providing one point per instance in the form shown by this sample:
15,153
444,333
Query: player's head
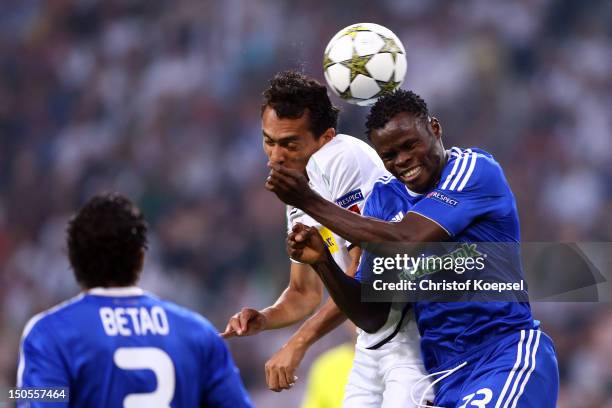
297,119
407,139
106,242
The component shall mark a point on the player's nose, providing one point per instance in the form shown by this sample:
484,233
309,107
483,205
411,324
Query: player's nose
277,155
403,159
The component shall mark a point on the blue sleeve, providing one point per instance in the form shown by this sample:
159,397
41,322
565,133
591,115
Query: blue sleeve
475,187
223,388
41,363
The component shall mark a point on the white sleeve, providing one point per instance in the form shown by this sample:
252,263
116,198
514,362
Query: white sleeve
339,179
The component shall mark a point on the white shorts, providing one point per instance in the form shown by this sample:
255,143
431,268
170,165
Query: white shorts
387,376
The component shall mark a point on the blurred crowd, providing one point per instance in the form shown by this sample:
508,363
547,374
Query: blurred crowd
161,101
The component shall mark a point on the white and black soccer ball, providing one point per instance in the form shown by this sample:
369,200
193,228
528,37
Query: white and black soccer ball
363,61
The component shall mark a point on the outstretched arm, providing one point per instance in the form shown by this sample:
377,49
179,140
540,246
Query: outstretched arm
298,300
306,245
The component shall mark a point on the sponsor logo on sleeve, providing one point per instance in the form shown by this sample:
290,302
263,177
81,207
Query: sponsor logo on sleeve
443,198
349,199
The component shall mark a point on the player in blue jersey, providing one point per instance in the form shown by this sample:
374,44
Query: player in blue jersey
115,345
485,354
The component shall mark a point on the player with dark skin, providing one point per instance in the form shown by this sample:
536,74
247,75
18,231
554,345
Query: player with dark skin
411,148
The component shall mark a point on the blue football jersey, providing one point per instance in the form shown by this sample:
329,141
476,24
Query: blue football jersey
124,347
473,202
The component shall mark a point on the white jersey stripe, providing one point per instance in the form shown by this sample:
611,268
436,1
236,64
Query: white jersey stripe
464,162
533,365
469,173
452,173
519,353
28,327
520,373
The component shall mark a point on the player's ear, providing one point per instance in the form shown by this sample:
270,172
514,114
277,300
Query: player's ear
435,126
328,135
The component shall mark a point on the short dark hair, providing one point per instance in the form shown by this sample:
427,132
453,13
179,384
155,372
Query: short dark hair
106,238
390,104
291,93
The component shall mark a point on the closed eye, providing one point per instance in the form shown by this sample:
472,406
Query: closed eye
409,145
387,156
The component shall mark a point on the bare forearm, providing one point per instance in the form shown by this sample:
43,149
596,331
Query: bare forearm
318,325
291,307
346,293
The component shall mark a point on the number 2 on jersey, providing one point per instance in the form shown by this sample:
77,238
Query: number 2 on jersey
148,358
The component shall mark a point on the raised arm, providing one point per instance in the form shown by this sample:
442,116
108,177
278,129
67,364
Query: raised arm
292,188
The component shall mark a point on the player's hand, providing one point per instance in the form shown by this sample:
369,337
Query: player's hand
289,185
247,322
280,368
305,244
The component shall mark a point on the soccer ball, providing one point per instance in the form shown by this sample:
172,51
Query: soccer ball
363,61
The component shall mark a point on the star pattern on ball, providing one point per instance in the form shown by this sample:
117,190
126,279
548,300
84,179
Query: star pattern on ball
352,32
357,65
391,47
386,87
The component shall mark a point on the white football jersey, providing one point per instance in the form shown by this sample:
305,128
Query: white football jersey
344,171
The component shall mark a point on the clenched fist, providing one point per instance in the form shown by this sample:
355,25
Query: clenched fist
305,244
280,369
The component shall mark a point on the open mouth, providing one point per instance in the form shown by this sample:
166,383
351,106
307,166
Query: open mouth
408,176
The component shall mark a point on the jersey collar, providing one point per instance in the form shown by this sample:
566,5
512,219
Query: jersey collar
412,193
117,291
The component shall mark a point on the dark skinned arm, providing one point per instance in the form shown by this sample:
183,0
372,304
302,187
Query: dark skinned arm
292,188
306,245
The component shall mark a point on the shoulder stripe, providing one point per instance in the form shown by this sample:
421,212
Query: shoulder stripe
469,172
28,329
49,311
452,173
384,180
464,162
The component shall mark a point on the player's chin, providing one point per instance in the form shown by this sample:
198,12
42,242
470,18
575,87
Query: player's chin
418,185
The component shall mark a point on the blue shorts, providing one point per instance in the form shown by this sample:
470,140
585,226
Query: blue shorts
519,371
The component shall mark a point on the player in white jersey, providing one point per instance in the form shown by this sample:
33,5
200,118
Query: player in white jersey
342,169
